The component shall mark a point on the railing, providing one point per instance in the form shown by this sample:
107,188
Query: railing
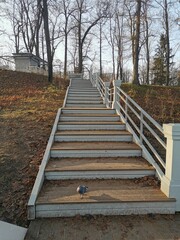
110,97
101,87
144,128
128,109
163,156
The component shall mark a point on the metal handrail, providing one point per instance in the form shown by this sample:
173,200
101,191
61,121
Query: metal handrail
145,120
129,104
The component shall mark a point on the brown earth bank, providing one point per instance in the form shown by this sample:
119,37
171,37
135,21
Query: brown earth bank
162,103
28,105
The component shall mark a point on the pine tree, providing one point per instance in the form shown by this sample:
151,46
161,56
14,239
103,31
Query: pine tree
160,62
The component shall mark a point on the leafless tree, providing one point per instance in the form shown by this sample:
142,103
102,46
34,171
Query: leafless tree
48,40
85,18
67,11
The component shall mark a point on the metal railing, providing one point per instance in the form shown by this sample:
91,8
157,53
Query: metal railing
128,109
101,87
144,127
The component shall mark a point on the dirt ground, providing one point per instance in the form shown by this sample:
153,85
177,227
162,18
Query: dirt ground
28,105
148,227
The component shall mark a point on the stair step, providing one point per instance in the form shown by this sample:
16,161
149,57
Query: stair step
108,197
95,149
88,111
84,101
86,89
96,146
83,92
85,105
93,168
85,98
89,136
89,118
91,126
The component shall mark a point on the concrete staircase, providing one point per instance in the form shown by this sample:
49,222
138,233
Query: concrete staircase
92,147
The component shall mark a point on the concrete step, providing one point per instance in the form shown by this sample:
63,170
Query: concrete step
95,149
91,126
72,95
88,111
97,168
89,118
81,105
84,102
106,197
83,94
84,88
89,136
83,91
84,98
79,84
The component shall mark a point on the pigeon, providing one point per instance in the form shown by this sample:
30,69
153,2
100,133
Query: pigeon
82,190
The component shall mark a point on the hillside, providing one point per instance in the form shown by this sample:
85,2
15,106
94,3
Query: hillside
28,105
162,103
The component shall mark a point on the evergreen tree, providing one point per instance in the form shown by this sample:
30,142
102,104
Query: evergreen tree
160,63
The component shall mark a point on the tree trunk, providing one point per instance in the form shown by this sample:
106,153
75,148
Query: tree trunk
167,42
80,45
136,48
48,44
100,49
38,26
65,55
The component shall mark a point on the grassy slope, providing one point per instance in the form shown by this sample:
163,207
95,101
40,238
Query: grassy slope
162,103
28,105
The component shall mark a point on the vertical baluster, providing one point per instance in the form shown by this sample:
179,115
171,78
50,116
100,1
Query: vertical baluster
106,94
116,98
126,108
141,127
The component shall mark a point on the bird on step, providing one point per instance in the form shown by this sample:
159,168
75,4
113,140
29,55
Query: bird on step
82,190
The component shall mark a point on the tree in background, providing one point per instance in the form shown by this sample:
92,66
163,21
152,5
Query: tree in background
137,43
85,18
160,63
47,37
67,27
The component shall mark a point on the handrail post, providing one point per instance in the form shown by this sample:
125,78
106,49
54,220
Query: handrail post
97,80
106,94
91,77
126,108
170,183
116,98
141,128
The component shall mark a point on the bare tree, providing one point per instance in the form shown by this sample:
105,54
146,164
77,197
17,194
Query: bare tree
84,20
137,43
26,19
67,10
119,18
48,40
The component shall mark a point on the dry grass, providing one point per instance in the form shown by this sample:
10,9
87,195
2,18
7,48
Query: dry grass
28,106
